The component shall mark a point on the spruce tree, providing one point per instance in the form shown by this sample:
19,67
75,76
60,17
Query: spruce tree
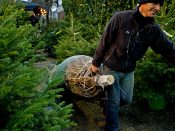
27,101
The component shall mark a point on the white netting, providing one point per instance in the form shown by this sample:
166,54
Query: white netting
80,79
77,75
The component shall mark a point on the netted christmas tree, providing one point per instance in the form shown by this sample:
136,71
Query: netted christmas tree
79,79
27,101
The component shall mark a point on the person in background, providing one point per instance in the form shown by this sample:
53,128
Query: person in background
124,41
60,10
57,10
35,16
33,19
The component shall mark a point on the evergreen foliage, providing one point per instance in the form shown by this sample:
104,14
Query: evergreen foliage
72,42
155,81
94,14
166,18
82,27
27,101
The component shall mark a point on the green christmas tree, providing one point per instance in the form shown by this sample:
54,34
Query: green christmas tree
27,101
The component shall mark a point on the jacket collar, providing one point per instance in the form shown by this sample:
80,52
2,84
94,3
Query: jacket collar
139,20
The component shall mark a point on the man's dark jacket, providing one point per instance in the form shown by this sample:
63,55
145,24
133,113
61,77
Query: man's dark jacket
126,39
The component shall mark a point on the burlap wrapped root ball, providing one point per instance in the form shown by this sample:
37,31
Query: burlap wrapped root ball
74,71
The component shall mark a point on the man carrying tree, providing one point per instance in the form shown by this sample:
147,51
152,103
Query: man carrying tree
124,41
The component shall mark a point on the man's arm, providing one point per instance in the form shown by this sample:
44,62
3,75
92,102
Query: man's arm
163,46
108,36
170,56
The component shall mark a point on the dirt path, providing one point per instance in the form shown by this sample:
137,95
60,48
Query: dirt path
131,118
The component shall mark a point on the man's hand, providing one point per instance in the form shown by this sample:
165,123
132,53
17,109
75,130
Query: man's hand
95,69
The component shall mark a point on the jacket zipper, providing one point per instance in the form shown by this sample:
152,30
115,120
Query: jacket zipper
127,51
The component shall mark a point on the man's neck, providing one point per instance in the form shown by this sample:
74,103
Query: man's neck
141,20
140,9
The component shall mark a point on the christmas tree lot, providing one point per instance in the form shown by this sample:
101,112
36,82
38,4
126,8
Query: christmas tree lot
45,81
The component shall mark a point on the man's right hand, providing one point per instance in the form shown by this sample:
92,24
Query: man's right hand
95,69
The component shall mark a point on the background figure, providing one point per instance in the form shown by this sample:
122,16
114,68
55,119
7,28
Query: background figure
60,10
53,12
33,19
57,10
35,16
43,22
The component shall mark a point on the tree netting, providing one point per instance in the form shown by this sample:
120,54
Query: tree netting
74,72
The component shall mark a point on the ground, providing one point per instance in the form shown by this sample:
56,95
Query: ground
132,118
